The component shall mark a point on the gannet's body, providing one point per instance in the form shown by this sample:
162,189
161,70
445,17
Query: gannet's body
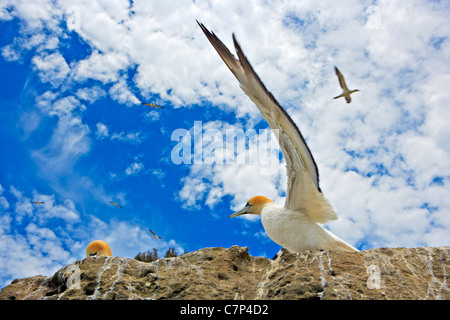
297,225
345,91
98,248
294,231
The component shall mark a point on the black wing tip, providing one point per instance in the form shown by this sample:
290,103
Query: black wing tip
205,30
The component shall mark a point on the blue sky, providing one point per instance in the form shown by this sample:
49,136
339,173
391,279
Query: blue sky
74,135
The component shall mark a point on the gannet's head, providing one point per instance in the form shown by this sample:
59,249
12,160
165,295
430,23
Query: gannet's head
253,206
98,248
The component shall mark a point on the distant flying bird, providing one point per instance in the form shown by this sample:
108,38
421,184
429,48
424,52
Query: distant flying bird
297,225
154,235
115,203
38,202
98,248
151,105
346,92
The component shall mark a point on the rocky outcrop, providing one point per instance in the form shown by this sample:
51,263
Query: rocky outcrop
218,273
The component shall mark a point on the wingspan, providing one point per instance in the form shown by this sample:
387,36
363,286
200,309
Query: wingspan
151,105
303,191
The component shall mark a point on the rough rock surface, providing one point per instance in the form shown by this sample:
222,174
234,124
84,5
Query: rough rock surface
218,273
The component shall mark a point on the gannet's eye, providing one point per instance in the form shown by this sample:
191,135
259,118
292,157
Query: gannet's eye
248,204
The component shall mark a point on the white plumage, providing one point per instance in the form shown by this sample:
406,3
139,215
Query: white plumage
296,226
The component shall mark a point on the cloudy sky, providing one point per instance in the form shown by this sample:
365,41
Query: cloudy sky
74,135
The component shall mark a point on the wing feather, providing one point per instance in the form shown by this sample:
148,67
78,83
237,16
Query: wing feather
303,192
341,79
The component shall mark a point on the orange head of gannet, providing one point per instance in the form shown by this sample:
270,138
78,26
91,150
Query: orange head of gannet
98,248
253,206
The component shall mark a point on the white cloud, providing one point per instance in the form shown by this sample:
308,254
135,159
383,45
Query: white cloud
51,67
4,204
102,67
10,54
134,168
90,94
121,93
102,131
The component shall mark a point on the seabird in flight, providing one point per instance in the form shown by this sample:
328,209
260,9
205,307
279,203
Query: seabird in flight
345,91
115,203
38,202
297,225
151,105
154,235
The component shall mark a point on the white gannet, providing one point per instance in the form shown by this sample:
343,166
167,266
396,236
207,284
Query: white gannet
296,226
115,203
151,105
345,91
38,202
98,248
154,235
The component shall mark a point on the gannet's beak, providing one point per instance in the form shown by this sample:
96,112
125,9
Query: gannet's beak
244,210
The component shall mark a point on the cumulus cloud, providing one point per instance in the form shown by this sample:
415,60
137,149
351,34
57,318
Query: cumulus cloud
102,131
52,68
90,94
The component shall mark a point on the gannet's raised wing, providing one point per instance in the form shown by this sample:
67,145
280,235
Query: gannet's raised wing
341,79
303,190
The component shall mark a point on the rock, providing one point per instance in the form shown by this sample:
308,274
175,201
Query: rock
218,273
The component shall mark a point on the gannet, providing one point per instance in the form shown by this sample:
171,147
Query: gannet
38,202
154,235
98,248
346,93
151,105
115,203
297,225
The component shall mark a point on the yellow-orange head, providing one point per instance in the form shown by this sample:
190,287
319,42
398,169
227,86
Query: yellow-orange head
98,248
253,206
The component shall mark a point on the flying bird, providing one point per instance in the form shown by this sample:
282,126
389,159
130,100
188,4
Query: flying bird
154,235
297,225
98,248
151,105
346,92
38,202
115,203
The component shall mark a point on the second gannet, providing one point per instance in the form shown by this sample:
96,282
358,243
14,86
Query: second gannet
154,235
115,203
297,225
151,105
98,248
345,91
